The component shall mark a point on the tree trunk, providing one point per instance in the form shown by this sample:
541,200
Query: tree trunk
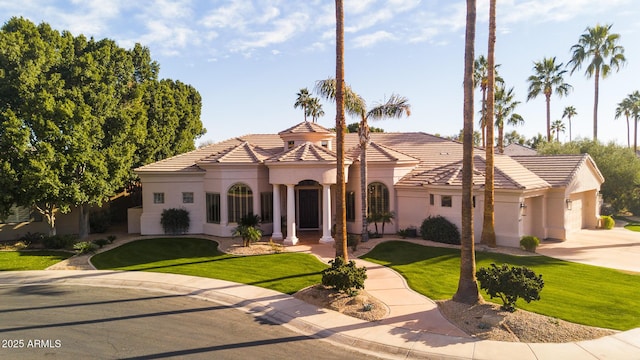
363,193
483,118
635,135
83,218
595,105
341,223
548,99
501,139
467,291
569,117
629,135
488,236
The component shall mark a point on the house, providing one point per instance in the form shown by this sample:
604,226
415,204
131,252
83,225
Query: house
292,176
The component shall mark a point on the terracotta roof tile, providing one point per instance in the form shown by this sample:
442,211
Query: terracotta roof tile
381,153
242,153
305,127
557,170
305,152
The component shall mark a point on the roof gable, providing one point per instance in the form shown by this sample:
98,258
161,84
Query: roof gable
558,170
305,152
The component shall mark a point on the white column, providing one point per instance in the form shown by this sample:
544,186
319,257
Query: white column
291,216
277,228
326,215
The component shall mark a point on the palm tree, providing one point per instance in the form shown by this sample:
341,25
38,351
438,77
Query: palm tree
569,112
504,110
636,116
395,107
547,78
488,236
303,101
625,107
481,79
315,109
594,47
557,127
467,291
341,213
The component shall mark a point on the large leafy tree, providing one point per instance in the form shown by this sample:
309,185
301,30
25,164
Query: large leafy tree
505,112
73,116
548,78
395,107
569,112
598,48
488,236
467,291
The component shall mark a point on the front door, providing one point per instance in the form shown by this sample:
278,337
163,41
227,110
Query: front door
308,208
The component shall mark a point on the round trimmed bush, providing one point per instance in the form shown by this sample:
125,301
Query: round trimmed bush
607,222
439,229
529,243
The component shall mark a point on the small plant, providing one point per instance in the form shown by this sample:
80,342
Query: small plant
248,230
85,247
344,277
387,218
607,222
101,242
175,221
276,248
367,307
111,239
59,241
509,284
403,233
529,243
439,229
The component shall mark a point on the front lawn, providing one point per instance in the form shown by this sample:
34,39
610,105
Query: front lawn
30,260
286,272
632,227
574,292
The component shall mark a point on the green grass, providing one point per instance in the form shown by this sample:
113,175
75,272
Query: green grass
286,272
574,292
632,227
30,260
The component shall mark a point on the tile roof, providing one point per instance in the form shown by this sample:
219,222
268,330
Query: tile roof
557,170
380,153
517,149
306,127
243,153
305,152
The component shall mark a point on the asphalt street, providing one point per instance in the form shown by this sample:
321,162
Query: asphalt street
64,322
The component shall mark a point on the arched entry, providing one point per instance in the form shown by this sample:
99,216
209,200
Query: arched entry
309,205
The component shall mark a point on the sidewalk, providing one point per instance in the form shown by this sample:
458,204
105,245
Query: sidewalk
414,327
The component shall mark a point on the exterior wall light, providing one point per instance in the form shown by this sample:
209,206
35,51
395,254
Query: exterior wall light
569,203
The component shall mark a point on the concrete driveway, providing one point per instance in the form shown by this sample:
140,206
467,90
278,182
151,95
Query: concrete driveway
617,248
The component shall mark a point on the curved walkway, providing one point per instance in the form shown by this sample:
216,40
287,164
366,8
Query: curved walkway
414,327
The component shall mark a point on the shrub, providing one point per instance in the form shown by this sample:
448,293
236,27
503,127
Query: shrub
100,221
175,221
111,238
509,284
85,247
21,245
101,242
248,229
33,238
439,229
607,222
59,241
344,277
529,243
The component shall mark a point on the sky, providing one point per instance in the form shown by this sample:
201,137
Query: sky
249,58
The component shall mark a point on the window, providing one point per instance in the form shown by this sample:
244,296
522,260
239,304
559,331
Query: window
324,143
239,202
445,201
17,214
351,206
378,197
431,199
474,201
213,208
266,206
290,144
187,198
158,198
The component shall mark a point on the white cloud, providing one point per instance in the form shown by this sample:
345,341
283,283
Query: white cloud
371,39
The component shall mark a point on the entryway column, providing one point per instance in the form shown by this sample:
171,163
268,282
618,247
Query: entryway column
326,215
291,216
277,227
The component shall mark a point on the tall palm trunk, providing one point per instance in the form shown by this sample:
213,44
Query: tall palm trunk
548,99
341,216
467,291
488,236
595,105
501,139
569,128
635,135
364,142
483,118
629,134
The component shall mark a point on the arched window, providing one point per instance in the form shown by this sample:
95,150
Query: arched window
240,202
378,196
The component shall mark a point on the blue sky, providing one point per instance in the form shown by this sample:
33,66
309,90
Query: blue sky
249,58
